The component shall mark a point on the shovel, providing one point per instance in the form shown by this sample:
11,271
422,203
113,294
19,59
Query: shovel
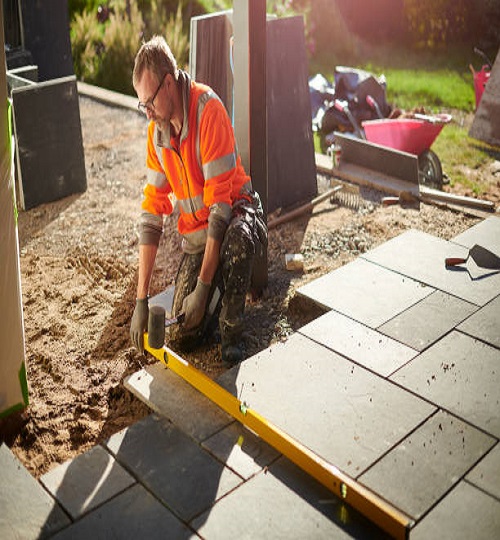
480,255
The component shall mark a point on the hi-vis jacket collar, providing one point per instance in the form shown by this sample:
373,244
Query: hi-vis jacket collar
163,139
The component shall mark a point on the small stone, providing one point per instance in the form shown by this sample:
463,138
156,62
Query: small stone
294,262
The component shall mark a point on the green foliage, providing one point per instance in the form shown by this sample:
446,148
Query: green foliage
444,23
86,42
211,6
104,52
433,23
160,21
329,38
348,32
121,40
79,6
178,38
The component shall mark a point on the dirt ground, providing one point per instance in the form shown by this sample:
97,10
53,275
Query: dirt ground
78,266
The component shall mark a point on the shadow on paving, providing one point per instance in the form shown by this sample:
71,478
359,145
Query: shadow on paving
149,480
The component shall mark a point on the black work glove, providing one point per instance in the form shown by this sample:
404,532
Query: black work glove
194,305
139,323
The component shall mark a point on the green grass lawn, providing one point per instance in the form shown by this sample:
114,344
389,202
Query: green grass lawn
432,89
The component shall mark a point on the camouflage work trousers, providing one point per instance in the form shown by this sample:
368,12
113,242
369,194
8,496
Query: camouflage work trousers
245,236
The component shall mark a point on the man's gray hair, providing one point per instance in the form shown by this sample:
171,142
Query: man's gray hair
156,56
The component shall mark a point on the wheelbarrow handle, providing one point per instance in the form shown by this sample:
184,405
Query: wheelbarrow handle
453,261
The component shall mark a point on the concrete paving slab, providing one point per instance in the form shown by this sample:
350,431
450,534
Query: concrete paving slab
169,395
283,503
421,257
27,510
424,323
465,513
52,108
426,465
342,412
86,481
241,450
460,374
172,466
485,323
358,343
365,292
132,515
485,233
486,474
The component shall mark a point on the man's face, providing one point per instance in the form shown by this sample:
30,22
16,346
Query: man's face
154,100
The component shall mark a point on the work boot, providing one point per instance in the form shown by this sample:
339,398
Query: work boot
231,328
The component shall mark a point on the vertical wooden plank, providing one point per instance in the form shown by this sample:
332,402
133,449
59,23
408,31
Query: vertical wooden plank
250,124
258,102
249,20
209,57
13,384
258,122
242,80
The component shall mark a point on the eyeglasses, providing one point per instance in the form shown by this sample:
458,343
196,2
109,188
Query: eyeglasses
149,105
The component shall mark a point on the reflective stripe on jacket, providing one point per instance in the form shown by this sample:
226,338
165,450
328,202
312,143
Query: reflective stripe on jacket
204,174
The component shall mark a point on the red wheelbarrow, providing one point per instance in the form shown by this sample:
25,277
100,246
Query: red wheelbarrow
413,135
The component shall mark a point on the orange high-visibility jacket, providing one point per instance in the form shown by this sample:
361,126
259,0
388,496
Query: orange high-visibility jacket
204,174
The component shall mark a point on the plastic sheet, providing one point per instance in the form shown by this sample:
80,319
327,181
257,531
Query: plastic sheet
364,96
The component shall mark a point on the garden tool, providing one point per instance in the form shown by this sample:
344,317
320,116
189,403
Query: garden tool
480,255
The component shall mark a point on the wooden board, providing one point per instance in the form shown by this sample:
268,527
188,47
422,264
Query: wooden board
374,179
380,159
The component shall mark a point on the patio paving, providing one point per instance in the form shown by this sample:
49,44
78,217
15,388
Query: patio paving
460,374
397,385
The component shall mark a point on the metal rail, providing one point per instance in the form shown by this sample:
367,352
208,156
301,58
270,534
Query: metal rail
376,509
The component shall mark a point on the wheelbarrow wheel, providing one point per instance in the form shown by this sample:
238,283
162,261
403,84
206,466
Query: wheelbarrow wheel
430,172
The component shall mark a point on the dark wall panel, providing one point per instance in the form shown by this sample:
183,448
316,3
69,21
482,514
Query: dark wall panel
290,150
49,141
46,37
290,154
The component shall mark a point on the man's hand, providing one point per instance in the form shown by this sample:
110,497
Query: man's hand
139,323
194,305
